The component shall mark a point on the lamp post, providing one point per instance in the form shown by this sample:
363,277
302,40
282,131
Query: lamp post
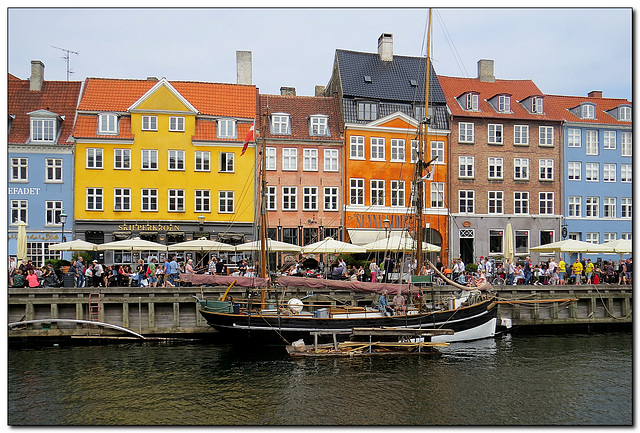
387,225
201,222
63,219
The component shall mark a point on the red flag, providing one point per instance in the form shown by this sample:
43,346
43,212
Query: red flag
248,138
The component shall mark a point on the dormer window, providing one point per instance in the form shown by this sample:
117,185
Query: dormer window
227,128
588,111
504,104
367,110
319,125
43,130
536,105
472,101
107,123
280,123
624,114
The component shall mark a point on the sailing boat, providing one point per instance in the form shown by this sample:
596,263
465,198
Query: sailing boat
471,315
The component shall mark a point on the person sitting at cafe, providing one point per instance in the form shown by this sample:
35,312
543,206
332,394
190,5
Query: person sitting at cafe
337,273
32,279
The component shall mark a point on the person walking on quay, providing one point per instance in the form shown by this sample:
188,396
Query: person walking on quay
166,269
174,269
589,271
375,270
79,270
629,271
140,271
510,271
220,268
576,268
527,272
97,274
562,270
151,273
553,274
622,273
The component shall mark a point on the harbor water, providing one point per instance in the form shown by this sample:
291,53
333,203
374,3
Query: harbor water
521,380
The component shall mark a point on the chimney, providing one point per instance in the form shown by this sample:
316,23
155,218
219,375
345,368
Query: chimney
485,71
243,64
37,75
319,90
152,78
288,91
595,94
385,47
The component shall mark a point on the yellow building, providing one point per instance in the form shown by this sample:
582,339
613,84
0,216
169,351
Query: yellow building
162,160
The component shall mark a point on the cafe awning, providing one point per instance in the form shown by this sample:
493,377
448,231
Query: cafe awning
366,236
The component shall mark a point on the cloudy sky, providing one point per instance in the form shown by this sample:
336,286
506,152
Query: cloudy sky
566,51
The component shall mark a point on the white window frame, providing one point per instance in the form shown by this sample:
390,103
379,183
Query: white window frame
466,201
497,165
175,200
107,123
356,191
175,160
574,137
626,173
495,202
356,147
149,123
289,159
53,170
309,159
504,103
176,123
609,140
53,209
94,158
592,142
319,125
574,170
574,204
202,160
95,199
546,203
537,105
122,159
289,198
377,149
521,168
331,160
150,158
280,124
226,202
592,207
271,193
521,202
226,162
309,198
495,133
471,102
226,128
545,136
466,167
122,199
398,150
19,211
377,192
415,145
546,169
609,172
626,140
271,162
437,150
466,132
521,135
626,207
331,198
19,169
149,200
609,236
624,114
592,172
587,111
202,200
609,207
437,195
43,130
397,193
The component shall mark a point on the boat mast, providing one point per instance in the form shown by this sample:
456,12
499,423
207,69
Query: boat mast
420,164
263,213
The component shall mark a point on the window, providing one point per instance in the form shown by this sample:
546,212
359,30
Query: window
226,203
226,128
226,162
149,159
625,141
107,123
53,170
592,142
521,168
310,159
331,162
367,110
520,202
397,150
465,132
625,173
521,238
627,236
397,193
547,237
472,101
121,199
437,150
575,204
319,125
289,198
377,192
609,140
271,155
357,147
19,211
546,169
280,124
609,207
310,198
521,134
149,199
496,202
43,130
418,112
624,114
546,136
19,169
290,235
330,198
202,200
609,236
272,197
176,200
495,134
574,137
94,199
592,207
356,191
504,104
592,172
574,170
592,238
176,123
588,111
437,194
94,158
495,241
122,159
625,207
176,160
415,144
545,203
466,167
52,212
466,201
496,166
609,173
289,159
377,149
537,105
415,194
203,160
149,123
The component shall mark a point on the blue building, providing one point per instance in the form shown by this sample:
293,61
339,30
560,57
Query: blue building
40,159
597,168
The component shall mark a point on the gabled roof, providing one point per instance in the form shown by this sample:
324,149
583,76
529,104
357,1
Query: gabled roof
519,90
390,80
162,83
559,107
59,97
300,108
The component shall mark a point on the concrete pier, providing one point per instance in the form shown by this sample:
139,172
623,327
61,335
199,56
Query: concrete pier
172,312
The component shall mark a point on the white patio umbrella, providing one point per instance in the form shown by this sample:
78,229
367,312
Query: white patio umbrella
566,246
202,244
21,251
74,245
134,244
619,246
272,246
399,243
508,242
332,246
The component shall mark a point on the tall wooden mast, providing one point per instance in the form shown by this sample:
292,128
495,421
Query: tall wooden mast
263,207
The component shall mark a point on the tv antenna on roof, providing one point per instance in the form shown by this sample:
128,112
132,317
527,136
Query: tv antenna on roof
66,57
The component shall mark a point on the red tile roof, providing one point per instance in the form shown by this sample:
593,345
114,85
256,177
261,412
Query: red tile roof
558,106
60,97
300,108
